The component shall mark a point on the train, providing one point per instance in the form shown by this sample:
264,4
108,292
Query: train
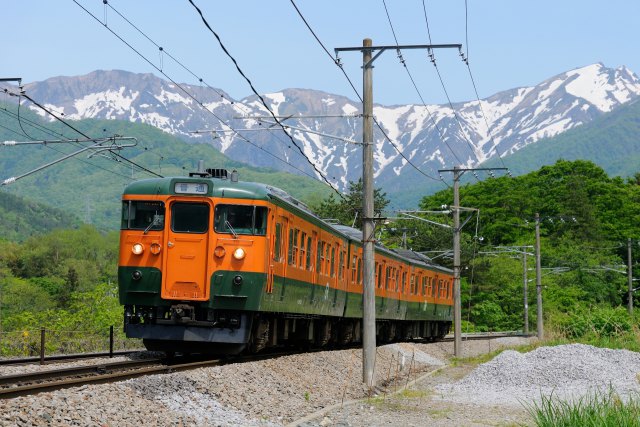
211,264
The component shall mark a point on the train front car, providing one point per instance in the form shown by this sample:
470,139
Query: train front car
192,261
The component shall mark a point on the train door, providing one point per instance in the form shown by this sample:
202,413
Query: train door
185,263
280,256
276,262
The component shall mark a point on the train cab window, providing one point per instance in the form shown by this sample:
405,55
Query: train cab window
241,219
189,217
142,215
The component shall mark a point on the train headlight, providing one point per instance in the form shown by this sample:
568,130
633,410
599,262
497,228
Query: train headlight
219,252
137,249
239,254
155,248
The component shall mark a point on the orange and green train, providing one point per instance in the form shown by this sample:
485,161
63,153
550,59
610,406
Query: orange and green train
211,264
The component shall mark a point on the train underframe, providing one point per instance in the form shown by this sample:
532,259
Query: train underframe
181,329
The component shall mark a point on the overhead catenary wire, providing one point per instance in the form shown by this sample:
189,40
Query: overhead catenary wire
186,92
465,59
444,88
163,50
53,133
253,89
415,86
46,110
338,63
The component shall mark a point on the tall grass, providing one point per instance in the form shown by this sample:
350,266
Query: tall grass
597,409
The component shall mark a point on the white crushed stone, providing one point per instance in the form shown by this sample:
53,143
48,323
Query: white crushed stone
410,353
566,371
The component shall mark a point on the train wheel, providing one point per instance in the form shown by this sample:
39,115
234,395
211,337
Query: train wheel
259,336
323,333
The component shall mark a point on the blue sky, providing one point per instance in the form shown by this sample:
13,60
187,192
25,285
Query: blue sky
511,43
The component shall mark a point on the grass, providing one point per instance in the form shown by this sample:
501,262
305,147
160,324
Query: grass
595,410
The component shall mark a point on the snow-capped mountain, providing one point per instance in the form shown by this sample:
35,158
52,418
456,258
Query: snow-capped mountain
430,137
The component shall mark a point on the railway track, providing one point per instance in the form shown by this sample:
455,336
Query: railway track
54,379
64,358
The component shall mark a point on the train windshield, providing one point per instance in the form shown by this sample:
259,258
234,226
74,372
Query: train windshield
241,219
142,215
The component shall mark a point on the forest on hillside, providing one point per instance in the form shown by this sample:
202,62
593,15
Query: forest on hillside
66,279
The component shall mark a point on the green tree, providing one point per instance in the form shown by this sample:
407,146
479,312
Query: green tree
348,211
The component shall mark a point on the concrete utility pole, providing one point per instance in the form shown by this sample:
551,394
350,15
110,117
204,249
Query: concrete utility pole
526,291
629,278
457,303
457,306
368,225
539,280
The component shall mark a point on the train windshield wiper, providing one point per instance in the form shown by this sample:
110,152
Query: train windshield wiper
235,235
156,221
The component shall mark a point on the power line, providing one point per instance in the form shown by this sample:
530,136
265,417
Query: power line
465,59
53,133
253,89
338,63
403,62
181,87
164,51
444,88
82,133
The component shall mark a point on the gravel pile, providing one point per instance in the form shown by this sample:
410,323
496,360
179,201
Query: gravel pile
567,371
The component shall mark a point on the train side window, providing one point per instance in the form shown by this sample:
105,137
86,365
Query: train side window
303,249
327,258
140,215
378,275
387,278
359,271
309,245
404,282
190,217
353,269
412,286
396,279
341,265
333,261
277,245
290,253
424,286
321,266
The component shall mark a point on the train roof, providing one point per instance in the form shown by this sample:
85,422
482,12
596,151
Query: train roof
233,188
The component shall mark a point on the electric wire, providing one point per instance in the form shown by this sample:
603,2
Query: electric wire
337,62
164,51
444,88
186,92
465,59
415,86
119,156
50,132
253,89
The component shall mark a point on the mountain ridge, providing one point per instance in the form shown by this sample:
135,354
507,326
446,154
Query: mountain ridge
430,137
